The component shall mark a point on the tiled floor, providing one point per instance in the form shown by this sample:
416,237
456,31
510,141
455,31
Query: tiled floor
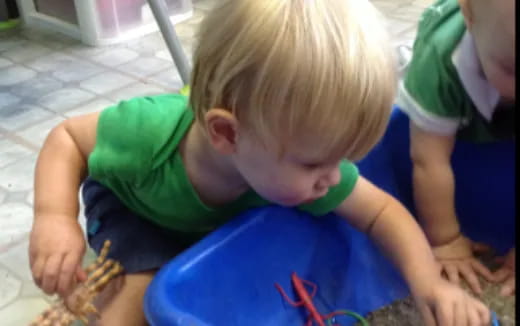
45,78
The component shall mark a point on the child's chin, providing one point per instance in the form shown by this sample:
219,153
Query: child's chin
289,202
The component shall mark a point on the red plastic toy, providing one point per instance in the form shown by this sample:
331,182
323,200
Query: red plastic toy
306,301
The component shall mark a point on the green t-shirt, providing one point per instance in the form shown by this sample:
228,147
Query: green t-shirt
432,93
136,157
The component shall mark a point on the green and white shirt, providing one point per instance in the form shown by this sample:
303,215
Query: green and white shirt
444,89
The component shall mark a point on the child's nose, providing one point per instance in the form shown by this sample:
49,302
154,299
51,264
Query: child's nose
330,179
334,177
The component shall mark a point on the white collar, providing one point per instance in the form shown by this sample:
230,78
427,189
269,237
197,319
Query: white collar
482,93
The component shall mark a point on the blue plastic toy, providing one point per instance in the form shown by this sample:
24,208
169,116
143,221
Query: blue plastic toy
494,320
227,278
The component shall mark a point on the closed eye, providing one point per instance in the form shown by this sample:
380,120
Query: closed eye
312,166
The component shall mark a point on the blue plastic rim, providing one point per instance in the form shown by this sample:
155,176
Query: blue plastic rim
228,277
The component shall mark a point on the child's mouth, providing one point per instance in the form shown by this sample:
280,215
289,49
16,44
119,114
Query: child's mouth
308,201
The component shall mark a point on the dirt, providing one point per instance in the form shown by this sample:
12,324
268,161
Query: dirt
404,312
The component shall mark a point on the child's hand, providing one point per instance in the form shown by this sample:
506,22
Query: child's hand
56,250
444,304
506,273
456,259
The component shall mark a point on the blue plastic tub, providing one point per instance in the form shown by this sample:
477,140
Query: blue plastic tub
227,279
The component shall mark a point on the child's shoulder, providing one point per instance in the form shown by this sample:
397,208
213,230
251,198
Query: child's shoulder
147,112
153,104
440,30
440,33
136,134
431,92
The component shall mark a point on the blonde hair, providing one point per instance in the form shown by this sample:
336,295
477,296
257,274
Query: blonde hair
287,67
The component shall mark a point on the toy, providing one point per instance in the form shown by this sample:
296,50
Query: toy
494,319
79,304
306,301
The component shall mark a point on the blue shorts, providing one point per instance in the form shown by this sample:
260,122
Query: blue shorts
136,243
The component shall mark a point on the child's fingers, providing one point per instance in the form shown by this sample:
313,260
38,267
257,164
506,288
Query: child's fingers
452,273
444,314
427,314
483,312
478,313
51,273
474,318
509,287
67,274
482,270
500,260
471,278
459,316
37,270
81,275
502,274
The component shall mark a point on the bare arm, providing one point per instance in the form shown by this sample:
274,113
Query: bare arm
434,185
57,242
62,165
434,193
391,226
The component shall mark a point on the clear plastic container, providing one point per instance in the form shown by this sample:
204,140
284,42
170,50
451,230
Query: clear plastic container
99,22
59,9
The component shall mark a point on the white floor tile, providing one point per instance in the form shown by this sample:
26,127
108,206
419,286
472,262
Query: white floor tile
38,133
15,220
65,99
10,287
115,57
18,176
106,82
21,115
13,75
11,152
22,311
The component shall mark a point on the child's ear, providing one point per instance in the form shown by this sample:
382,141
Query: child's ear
221,128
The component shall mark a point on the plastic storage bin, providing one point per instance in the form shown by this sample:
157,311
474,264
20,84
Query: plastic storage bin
227,279
99,22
